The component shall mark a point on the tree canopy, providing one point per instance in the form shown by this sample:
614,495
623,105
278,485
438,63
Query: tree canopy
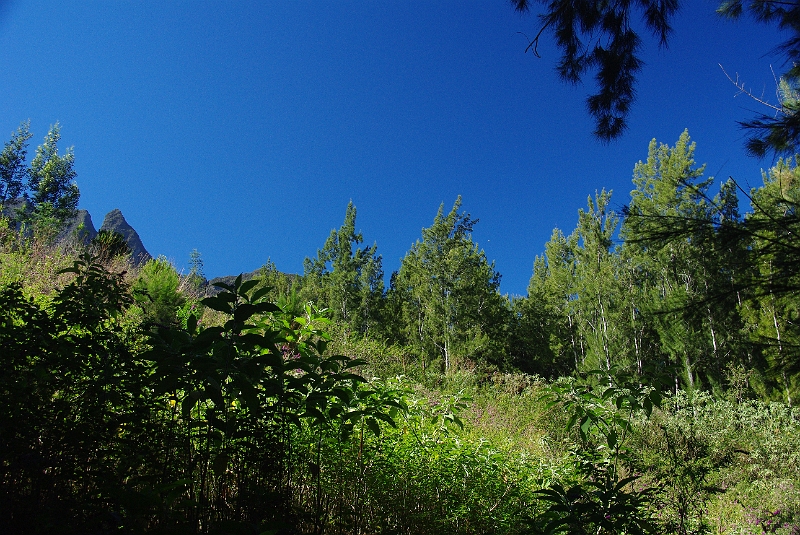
46,186
449,290
602,38
345,278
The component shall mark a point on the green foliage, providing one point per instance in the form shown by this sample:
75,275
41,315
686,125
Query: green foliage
108,245
146,410
671,228
191,307
246,387
773,310
345,279
283,289
198,433
13,170
51,180
693,284
449,295
253,425
68,390
711,458
42,196
718,289
605,499
425,476
547,324
34,263
382,358
156,291
597,287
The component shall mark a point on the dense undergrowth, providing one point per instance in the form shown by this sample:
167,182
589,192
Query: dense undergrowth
237,415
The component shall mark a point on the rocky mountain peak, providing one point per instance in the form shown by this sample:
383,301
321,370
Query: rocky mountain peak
80,228
115,222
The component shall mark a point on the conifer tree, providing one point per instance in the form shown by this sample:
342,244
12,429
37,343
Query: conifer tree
773,311
13,168
451,304
157,291
51,180
546,332
670,232
605,38
596,283
346,279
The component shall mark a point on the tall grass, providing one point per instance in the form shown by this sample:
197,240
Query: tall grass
97,445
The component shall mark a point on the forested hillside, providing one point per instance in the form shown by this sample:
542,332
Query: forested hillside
675,278
645,384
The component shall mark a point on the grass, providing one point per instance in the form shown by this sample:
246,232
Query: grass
478,443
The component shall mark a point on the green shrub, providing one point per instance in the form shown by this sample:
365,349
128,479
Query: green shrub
156,292
35,264
424,476
723,465
108,245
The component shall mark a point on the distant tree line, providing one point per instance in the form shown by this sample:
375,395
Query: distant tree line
678,280
133,404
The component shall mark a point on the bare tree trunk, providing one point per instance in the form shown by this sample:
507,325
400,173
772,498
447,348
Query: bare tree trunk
780,353
604,333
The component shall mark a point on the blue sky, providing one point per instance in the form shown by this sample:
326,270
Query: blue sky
242,129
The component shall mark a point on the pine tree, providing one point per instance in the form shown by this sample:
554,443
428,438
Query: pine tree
596,283
546,335
685,274
774,307
604,38
346,279
13,168
451,304
51,180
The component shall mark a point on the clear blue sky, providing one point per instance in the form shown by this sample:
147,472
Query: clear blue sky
242,129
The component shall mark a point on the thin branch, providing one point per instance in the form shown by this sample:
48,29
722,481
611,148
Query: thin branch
534,43
741,88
